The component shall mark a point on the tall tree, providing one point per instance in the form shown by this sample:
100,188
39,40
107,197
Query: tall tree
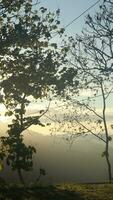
91,55
29,68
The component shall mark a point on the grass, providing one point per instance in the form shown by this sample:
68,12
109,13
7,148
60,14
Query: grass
91,191
58,192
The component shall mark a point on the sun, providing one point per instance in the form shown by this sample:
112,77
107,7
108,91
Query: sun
2,112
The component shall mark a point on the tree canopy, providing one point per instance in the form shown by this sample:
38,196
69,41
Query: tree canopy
30,66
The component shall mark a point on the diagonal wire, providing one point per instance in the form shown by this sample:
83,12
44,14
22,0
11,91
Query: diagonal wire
76,18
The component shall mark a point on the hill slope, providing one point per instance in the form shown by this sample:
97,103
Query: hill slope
59,192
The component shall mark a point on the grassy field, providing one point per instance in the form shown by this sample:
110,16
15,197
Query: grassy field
58,192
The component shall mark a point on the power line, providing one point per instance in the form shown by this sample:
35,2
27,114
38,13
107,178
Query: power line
76,18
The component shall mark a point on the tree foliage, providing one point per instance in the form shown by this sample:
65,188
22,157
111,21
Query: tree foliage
29,67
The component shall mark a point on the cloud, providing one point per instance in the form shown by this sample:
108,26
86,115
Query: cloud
86,93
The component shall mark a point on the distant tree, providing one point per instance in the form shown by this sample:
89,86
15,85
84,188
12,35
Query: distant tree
91,55
30,66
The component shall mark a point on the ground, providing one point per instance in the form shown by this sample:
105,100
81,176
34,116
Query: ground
58,192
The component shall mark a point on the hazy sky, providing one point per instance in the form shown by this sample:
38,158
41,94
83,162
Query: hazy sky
71,9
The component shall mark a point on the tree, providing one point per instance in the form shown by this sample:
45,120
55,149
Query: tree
91,55
29,69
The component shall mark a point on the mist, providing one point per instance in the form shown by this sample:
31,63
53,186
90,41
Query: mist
81,163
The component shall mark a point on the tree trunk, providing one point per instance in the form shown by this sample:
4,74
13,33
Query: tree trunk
106,135
108,160
109,168
20,176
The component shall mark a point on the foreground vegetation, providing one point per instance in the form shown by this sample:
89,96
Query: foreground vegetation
60,192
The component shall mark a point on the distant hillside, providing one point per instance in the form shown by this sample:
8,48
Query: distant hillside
82,163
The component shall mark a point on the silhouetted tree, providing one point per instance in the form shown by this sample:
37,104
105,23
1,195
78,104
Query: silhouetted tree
91,55
29,67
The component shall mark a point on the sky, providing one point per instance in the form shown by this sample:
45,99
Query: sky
71,9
